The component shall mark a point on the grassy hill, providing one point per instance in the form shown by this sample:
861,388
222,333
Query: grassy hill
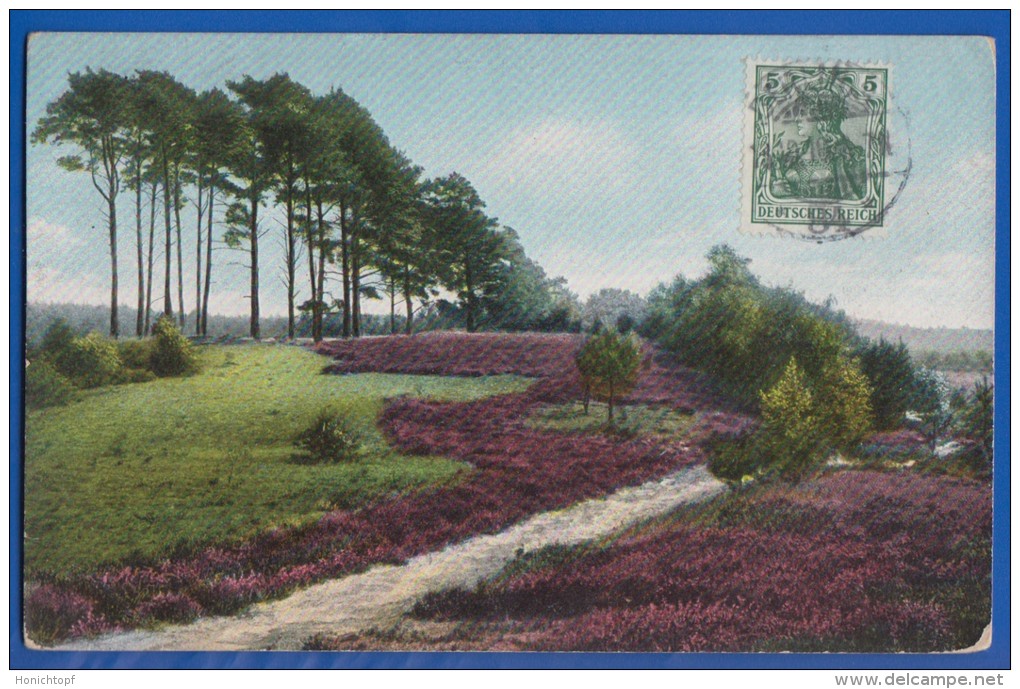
134,471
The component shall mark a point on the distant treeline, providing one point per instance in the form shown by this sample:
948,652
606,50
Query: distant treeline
969,360
921,341
609,307
957,349
86,318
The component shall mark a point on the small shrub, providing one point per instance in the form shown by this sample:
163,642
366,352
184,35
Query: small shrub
609,364
734,462
172,353
933,405
330,438
135,354
168,607
789,435
91,361
57,339
890,373
51,611
843,397
92,625
625,323
977,421
804,421
45,386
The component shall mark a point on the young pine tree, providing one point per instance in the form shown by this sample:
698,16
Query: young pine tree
609,363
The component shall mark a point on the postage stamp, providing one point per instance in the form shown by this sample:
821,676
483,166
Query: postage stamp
450,342
815,165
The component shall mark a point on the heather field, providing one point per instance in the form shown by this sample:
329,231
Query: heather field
854,561
516,470
883,560
851,560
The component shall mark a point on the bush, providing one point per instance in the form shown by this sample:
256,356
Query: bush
330,438
741,332
91,361
736,461
608,364
135,353
57,340
932,402
625,323
843,399
168,607
891,375
977,420
803,421
45,386
51,611
172,353
789,439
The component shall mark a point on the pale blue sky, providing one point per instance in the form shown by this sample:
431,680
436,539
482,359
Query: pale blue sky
616,158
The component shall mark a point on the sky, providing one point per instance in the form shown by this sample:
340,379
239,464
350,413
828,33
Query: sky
616,158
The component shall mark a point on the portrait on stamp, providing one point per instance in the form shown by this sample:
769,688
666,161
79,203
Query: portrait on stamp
819,146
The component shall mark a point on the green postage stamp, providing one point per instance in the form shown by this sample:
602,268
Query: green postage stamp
816,165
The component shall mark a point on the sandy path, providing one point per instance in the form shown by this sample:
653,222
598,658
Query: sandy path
377,598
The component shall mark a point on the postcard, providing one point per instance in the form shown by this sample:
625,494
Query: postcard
560,343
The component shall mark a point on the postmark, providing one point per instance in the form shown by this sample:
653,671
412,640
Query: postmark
815,159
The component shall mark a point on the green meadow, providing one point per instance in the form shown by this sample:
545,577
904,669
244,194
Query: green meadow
135,472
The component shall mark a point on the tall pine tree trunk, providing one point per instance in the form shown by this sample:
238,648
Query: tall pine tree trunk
168,303
469,297
393,305
408,304
208,261
114,322
291,259
355,279
183,315
140,316
254,230
113,184
198,261
345,270
151,257
310,238
321,287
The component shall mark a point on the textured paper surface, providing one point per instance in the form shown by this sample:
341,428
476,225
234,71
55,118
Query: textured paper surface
612,171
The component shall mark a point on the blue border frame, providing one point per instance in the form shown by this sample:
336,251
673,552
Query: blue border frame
994,24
